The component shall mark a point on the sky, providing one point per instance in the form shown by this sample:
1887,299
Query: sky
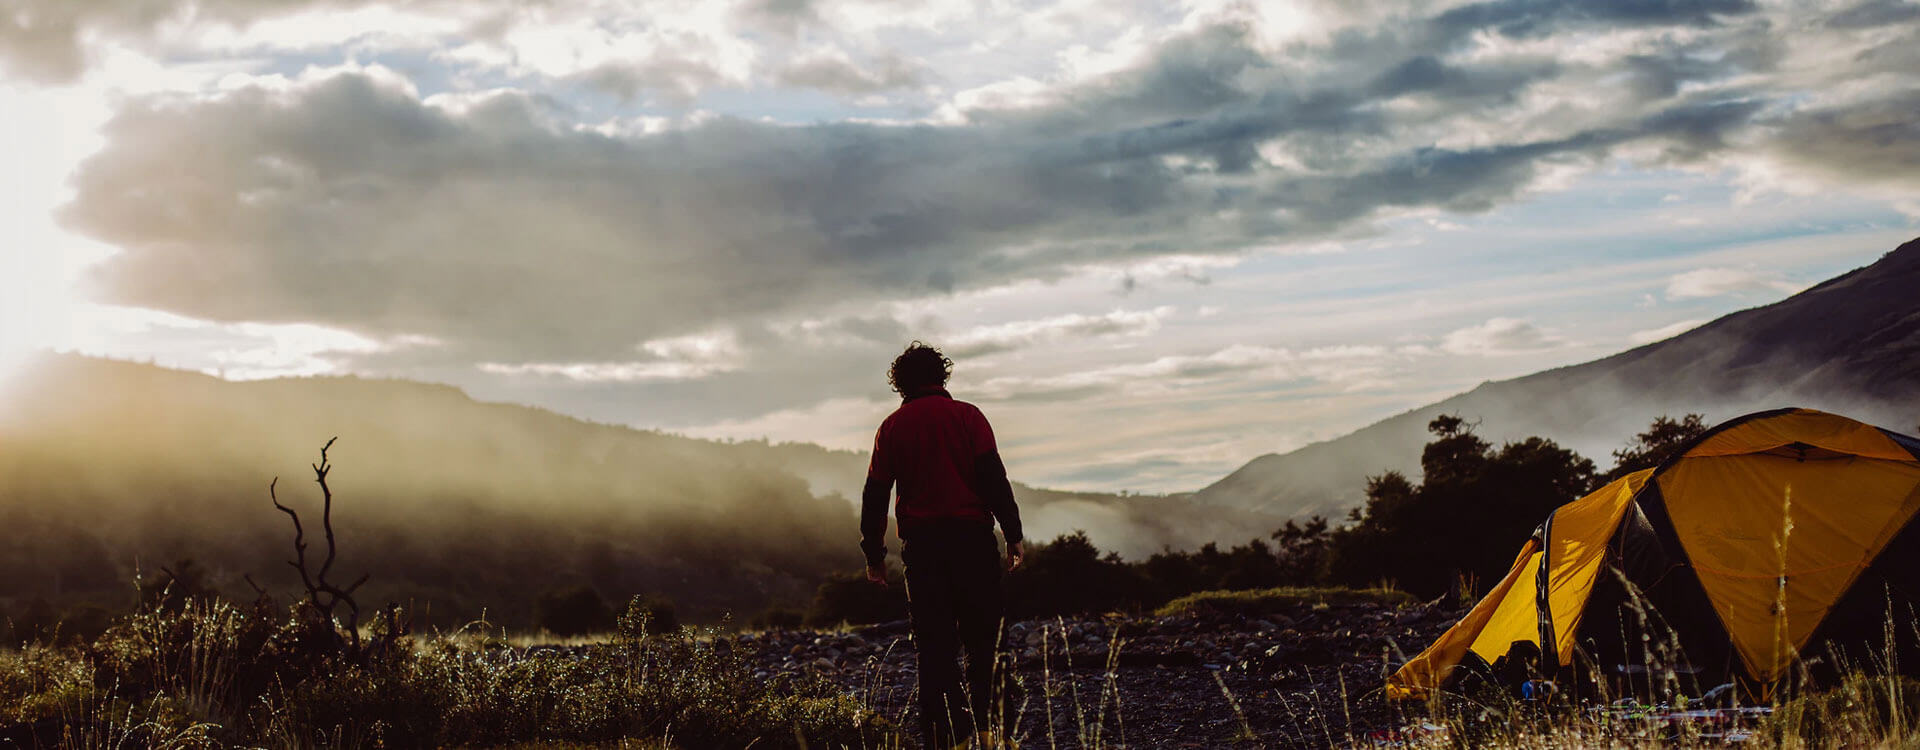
1159,239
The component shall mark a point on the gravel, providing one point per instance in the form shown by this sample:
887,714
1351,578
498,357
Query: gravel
1307,676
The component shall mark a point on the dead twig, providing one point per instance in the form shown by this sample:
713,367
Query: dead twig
323,596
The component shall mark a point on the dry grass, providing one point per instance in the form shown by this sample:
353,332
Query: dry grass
1870,706
1863,712
192,679
1269,601
217,676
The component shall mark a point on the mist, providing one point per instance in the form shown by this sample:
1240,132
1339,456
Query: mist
457,508
1850,346
108,467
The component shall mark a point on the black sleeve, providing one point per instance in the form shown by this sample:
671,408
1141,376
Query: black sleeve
990,479
873,520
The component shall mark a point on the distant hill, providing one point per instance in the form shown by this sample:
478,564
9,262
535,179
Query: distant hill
1850,345
1133,525
110,467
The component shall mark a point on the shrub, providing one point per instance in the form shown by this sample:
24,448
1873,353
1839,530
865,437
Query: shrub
42,682
654,612
854,600
177,586
777,618
1863,707
1068,576
572,611
37,623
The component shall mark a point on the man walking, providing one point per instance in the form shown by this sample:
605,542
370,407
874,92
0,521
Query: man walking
953,487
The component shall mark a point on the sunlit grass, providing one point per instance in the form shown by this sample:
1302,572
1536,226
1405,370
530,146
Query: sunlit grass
216,675
1266,601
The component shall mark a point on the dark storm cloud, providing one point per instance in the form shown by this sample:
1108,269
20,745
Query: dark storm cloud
1192,73
1873,141
1875,13
1662,70
784,16
1525,18
350,201
1899,56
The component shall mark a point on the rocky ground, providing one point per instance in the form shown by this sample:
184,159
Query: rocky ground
1307,676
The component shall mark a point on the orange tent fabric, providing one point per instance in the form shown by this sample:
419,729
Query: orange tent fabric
1575,546
1778,514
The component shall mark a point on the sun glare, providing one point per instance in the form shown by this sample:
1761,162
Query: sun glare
45,134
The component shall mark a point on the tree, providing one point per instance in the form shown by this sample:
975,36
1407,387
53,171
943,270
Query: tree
777,618
1070,575
323,595
1361,553
574,611
1474,505
1301,551
176,586
1663,440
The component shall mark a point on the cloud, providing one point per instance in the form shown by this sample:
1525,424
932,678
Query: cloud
1003,337
1338,364
551,199
606,372
1664,332
674,80
1160,371
489,223
835,73
244,351
56,41
842,423
1499,336
1872,140
784,16
1523,18
1718,282
1873,14
677,358
518,229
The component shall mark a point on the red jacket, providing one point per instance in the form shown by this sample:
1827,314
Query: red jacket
942,455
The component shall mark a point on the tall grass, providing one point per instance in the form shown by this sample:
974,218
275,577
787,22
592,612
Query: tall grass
1870,704
214,675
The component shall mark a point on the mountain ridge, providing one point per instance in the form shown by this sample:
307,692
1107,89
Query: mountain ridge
1849,344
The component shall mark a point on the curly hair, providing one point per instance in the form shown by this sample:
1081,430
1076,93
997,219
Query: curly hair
920,366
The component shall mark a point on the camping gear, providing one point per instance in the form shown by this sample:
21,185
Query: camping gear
1777,539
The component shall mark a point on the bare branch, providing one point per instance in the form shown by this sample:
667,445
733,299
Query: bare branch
322,595
299,538
326,509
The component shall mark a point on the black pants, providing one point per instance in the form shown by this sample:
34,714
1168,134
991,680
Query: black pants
954,599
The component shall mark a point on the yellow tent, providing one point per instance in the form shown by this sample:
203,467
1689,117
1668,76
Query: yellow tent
1771,532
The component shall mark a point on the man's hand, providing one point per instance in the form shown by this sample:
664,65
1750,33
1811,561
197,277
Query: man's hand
1016,553
877,574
